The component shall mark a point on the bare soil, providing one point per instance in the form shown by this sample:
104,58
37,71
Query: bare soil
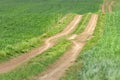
103,8
57,70
110,6
50,42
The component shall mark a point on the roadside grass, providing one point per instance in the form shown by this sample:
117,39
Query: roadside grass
38,64
102,62
83,23
23,22
15,50
73,73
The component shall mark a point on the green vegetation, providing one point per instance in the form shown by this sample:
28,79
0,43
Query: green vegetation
73,72
24,46
23,22
106,4
116,5
26,23
83,23
100,59
37,64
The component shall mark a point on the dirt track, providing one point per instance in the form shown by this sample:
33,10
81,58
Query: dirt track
108,5
7,66
103,8
56,70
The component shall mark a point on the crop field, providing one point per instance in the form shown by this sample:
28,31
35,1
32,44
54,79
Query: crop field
23,22
100,60
37,64
59,40
82,24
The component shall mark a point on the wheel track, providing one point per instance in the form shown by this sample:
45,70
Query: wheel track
56,70
109,7
50,42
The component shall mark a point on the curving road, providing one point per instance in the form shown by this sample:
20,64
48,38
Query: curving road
13,63
56,70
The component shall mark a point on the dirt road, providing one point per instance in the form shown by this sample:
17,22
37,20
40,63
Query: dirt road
56,70
110,6
107,5
7,66
103,8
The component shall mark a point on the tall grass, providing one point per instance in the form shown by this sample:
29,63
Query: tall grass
102,61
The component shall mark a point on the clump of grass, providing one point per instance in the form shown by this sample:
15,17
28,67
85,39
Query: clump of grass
38,64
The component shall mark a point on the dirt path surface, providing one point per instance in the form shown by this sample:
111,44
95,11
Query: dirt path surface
7,66
110,6
56,70
103,8
107,5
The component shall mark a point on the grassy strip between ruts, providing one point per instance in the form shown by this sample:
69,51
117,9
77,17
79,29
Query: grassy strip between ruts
83,23
38,64
73,72
25,46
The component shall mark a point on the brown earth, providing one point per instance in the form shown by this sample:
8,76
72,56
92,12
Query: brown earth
110,6
57,70
13,63
103,8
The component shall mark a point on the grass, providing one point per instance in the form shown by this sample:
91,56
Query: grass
23,22
83,23
116,5
101,60
74,71
38,64
107,3
24,46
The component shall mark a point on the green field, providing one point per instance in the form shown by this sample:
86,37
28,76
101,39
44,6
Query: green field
24,23
100,59
37,64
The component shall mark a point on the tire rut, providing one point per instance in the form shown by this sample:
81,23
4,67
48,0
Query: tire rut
57,70
109,7
50,42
